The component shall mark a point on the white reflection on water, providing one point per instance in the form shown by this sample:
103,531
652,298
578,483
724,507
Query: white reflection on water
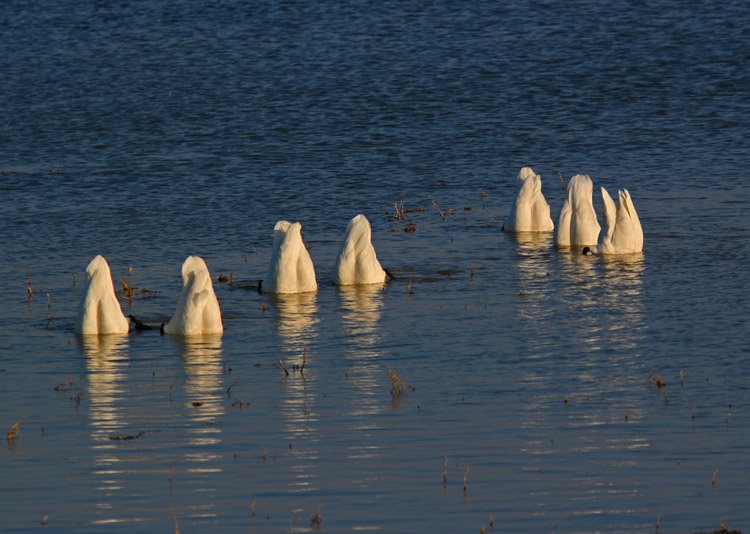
297,319
203,388
362,308
106,364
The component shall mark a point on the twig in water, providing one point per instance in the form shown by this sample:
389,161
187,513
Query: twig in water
14,432
176,523
713,477
229,389
399,386
304,360
466,475
283,367
561,179
316,519
399,210
29,291
252,507
522,293
408,288
264,453
170,388
445,472
481,194
442,215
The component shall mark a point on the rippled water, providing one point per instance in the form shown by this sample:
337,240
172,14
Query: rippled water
147,132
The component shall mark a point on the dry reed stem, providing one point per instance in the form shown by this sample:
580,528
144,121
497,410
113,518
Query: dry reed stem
283,367
176,523
229,389
29,291
481,194
713,477
442,215
316,519
14,431
466,475
304,360
445,472
399,386
561,179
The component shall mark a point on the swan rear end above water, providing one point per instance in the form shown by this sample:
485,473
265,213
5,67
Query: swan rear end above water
99,311
623,233
357,262
198,309
577,224
530,211
291,269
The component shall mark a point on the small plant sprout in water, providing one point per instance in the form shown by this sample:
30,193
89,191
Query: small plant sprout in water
14,433
442,215
399,386
317,519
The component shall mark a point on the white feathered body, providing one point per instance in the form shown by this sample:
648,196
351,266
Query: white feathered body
623,233
291,269
357,262
577,224
198,309
99,311
530,211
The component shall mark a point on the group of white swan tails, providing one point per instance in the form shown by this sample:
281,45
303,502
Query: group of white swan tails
577,224
198,312
292,271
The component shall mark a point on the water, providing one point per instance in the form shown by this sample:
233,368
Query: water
150,132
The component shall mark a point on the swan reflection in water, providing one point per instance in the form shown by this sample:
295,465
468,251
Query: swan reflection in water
362,306
297,320
106,363
204,385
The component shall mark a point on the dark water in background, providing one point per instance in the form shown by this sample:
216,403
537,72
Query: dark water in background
149,131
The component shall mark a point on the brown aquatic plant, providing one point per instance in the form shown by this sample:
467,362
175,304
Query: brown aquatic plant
442,215
229,389
14,432
283,367
304,360
176,522
561,179
317,519
399,386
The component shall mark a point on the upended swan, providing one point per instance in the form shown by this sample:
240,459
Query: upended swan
530,211
198,309
623,233
291,269
577,224
357,262
99,311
